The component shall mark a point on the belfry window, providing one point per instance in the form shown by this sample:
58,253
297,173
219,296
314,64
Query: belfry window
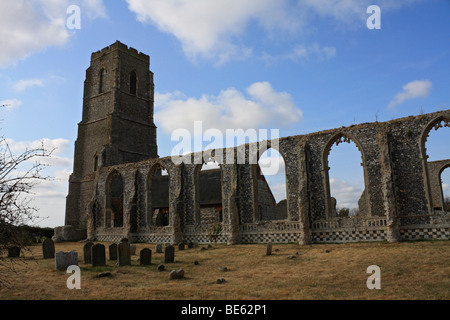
133,83
101,86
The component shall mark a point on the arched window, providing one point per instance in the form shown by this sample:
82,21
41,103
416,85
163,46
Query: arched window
101,82
158,197
114,200
208,193
345,179
437,159
133,82
271,186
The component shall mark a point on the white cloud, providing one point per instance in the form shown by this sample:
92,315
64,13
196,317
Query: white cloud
215,30
412,90
30,26
231,109
210,29
23,85
346,193
10,104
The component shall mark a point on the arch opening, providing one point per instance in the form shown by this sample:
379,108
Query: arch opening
114,200
271,186
345,178
158,196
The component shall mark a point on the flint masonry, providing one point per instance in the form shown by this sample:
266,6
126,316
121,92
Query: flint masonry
120,187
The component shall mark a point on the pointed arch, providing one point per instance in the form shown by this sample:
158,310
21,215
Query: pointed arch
114,200
438,122
158,196
271,184
208,200
364,202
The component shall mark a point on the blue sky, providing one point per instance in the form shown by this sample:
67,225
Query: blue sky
298,66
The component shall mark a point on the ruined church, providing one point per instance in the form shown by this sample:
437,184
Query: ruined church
121,187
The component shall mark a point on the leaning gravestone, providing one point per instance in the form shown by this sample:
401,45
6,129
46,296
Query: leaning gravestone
123,253
269,249
113,252
159,248
13,252
63,260
48,249
87,252
169,254
145,257
98,255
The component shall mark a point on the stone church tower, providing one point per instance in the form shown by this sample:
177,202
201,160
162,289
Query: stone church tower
117,125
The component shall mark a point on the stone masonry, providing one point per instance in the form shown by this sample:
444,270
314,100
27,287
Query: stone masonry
116,160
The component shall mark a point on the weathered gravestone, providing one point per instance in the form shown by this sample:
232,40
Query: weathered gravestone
169,254
63,260
190,245
181,246
123,254
113,251
159,248
145,257
13,252
48,249
98,255
269,249
87,252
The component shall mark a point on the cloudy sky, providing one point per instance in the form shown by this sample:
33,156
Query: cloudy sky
297,66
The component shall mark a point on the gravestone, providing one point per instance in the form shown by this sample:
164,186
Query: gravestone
98,256
87,252
269,249
169,254
190,245
181,246
159,248
13,252
145,257
123,254
63,260
176,274
113,251
48,249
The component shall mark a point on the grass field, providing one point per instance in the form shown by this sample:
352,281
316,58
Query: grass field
409,270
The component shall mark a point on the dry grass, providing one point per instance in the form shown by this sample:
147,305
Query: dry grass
419,270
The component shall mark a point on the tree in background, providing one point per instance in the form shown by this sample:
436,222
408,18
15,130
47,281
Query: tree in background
19,173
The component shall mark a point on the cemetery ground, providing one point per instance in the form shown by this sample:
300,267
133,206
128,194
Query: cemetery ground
409,270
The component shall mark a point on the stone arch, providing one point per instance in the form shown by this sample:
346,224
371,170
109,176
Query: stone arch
342,137
269,208
114,200
205,193
158,196
439,122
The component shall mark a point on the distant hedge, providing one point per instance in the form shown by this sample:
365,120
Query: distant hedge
24,235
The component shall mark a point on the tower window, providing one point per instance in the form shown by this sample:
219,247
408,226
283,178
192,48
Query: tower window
133,82
95,163
101,86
